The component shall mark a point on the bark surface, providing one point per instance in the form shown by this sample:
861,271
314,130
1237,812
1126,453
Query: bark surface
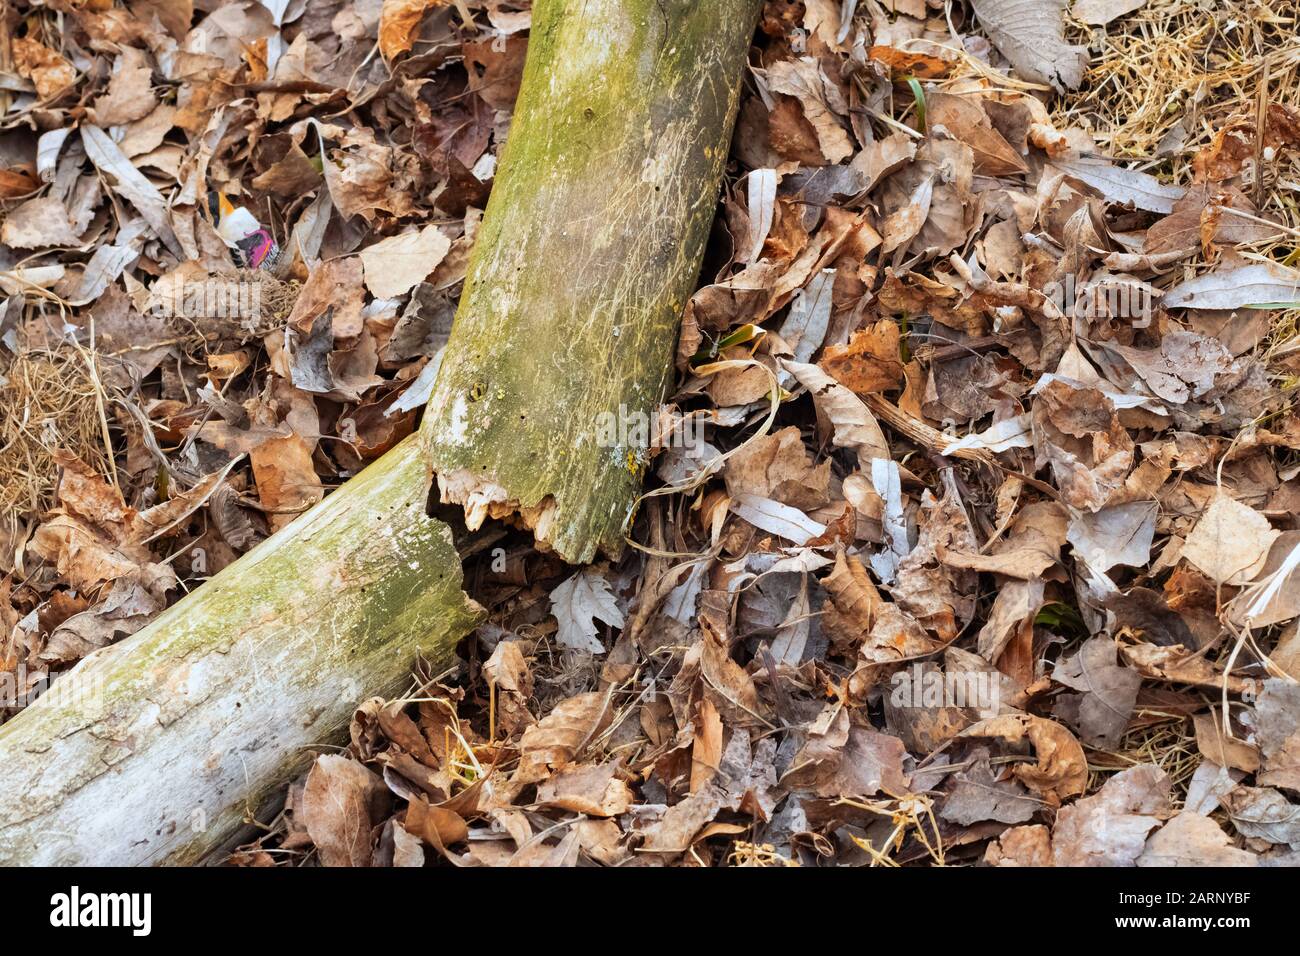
589,250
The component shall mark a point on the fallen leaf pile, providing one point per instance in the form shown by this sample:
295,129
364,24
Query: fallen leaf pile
971,531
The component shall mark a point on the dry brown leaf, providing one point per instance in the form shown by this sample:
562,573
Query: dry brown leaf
1178,665
508,673
438,826
394,266
287,483
130,91
1264,814
1061,770
1021,846
843,759
853,602
706,749
1110,827
593,789
870,362
1107,693
966,120
1190,839
821,100
1230,542
555,740
50,72
337,809
399,23
851,422
726,684
777,466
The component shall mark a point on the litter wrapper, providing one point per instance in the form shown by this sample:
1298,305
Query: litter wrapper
239,229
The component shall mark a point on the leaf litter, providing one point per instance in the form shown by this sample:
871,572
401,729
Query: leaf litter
987,555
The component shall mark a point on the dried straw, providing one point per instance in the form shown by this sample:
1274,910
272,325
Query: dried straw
48,400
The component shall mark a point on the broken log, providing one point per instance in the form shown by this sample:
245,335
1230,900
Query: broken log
155,749
158,749
589,250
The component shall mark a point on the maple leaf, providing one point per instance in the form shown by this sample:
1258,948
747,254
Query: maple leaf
577,603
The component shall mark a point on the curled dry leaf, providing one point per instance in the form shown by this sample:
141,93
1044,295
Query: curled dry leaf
726,684
966,120
1060,771
555,740
1178,665
1021,846
854,601
852,424
821,100
399,22
777,466
508,673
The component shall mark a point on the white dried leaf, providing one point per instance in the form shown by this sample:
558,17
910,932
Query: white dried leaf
1119,534
1009,433
577,604
1121,185
1098,13
394,265
1258,283
130,184
1030,33
1230,543
887,481
762,207
776,518
804,329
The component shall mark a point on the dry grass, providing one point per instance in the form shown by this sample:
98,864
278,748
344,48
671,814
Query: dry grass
1166,741
1165,79
49,400
1172,61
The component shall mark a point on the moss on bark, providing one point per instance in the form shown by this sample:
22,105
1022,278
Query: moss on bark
589,250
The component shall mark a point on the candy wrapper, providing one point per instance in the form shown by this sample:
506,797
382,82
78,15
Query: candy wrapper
253,246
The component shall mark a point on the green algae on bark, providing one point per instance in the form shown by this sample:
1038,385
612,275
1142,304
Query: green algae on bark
589,249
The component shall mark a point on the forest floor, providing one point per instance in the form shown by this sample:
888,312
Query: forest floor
970,534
